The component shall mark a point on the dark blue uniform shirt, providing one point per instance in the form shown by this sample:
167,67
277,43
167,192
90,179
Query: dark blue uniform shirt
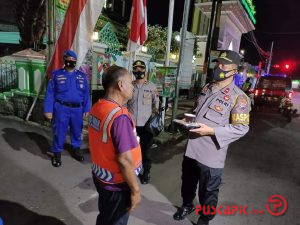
71,87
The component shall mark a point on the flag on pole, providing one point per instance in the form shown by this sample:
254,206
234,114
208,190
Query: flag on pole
138,25
76,32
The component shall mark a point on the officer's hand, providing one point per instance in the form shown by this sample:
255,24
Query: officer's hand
85,115
204,130
49,116
135,200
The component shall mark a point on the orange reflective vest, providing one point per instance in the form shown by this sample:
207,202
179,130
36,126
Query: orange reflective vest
104,157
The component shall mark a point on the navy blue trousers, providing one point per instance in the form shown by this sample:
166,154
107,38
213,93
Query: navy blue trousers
113,206
208,181
65,117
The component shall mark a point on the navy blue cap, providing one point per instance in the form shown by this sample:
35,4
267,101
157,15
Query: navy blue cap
70,53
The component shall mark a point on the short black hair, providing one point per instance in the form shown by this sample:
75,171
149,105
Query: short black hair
111,75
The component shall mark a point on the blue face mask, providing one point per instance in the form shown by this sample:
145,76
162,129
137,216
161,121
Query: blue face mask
219,74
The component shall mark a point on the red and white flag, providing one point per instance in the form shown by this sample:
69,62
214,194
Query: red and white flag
138,25
76,32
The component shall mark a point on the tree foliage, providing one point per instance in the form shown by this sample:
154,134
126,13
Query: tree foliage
31,21
156,42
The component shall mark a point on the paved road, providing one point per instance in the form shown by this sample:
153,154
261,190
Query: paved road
264,163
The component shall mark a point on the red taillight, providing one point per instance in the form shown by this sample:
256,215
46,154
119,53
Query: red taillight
290,95
256,92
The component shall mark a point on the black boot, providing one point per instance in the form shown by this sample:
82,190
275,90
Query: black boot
77,154
56,160
145,178
202,221
183,211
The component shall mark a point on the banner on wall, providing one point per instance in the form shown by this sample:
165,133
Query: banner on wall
103,61
165,80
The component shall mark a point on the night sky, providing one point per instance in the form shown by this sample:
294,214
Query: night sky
277,20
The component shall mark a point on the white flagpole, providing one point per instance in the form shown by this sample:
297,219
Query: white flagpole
167,63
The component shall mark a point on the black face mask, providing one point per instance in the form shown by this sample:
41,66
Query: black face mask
139,74
70,64
219,74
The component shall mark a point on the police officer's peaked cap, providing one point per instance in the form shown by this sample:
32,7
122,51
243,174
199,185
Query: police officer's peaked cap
70,53
139,63
229,57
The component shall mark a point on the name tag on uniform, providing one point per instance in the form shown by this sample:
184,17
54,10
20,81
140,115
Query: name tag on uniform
94,122
147,97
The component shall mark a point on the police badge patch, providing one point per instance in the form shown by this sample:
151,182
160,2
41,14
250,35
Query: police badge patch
242,102
218,108
226,98
226,91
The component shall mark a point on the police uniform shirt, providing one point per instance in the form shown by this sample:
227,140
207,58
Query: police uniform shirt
67,87
145,96
227,112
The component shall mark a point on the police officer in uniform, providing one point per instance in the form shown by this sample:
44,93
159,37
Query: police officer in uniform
223,116
66,102
145,100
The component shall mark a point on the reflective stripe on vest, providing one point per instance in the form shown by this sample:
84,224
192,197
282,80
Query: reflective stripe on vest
138,170
102,174
107,120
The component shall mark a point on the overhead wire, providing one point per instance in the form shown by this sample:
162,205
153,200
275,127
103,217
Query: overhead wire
261,52
258,49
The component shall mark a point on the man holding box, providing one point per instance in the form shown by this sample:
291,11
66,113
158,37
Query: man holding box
222,114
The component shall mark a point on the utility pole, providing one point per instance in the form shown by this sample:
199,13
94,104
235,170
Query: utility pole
170,28
169,39
50,21
50,28
270,58
181,58
208,43
216,28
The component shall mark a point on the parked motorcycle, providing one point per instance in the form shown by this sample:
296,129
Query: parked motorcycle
286,108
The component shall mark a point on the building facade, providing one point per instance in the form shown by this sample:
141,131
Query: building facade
235,20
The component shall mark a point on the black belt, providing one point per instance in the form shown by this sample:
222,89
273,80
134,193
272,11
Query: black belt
70,104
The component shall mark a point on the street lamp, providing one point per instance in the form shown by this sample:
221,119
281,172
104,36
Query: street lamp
173,56
144,49
194,59
95,36
242,51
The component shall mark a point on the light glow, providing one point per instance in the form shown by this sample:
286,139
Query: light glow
250,8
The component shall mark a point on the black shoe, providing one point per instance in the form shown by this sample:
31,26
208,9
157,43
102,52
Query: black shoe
144,178
183,211
77,154
56,160
202,221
